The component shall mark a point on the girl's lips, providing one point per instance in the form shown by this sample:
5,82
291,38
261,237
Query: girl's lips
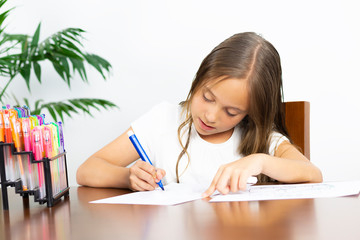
204,126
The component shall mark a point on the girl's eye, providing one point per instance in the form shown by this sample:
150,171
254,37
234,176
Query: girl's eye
230,114
207,99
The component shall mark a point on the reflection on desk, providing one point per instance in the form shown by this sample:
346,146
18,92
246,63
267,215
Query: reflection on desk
76,218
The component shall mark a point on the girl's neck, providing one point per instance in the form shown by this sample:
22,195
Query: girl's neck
218,137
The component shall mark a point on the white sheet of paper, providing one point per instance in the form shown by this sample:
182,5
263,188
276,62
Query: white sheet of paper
174,193
179,193
292,191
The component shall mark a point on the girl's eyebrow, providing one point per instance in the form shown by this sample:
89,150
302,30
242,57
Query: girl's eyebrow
229,107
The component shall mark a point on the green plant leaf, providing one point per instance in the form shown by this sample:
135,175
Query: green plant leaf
66,69
37,70
57,66
15,37
26,101
71,46
68,53
76,103
80,68
72,106
3,16
6,66
25,73
35,39
61,108
2,2
59,69
65,50
37,104
93,61
24,49
51,111
89,103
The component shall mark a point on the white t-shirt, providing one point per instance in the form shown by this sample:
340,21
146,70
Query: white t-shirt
157,131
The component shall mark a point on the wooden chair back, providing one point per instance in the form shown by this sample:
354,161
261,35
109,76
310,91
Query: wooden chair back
297,120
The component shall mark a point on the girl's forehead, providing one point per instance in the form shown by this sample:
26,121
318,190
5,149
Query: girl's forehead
230,92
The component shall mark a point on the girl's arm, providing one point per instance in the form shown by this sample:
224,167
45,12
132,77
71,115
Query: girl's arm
108,168
288,166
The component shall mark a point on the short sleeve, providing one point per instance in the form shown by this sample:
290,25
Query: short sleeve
151,126
276,139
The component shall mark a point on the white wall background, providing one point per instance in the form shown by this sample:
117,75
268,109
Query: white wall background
155,48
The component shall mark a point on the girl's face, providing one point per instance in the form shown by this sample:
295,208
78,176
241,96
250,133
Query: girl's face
217,108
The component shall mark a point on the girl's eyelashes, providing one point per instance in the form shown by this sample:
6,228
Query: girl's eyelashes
230,114
207,99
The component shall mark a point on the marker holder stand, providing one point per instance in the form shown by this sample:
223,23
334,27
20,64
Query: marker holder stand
50,198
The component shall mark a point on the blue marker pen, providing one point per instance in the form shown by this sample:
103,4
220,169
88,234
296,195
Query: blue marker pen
141,152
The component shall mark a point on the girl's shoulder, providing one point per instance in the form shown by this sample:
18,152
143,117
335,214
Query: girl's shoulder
276,139
166,111
161,117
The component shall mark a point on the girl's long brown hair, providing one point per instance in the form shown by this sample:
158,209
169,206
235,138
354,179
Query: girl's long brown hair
251,57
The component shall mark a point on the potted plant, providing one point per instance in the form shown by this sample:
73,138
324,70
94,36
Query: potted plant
20,54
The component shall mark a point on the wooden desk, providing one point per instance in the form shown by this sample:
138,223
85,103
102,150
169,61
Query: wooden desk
75,218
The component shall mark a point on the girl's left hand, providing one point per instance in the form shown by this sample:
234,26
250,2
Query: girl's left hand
233,176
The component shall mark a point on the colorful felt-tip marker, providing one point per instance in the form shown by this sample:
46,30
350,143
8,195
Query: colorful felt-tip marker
141,152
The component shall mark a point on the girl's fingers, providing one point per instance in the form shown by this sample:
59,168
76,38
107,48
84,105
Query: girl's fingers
226,180
143,175
243,181
233,176
160,173
139,184
144,186
223,183
213,184
209,191
234,183
147,176
147,167
135,187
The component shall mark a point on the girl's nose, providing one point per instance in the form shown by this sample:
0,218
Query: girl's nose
211,115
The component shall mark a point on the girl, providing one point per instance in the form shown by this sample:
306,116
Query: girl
230,127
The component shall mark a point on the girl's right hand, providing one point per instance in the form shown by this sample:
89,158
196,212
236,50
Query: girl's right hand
144,176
